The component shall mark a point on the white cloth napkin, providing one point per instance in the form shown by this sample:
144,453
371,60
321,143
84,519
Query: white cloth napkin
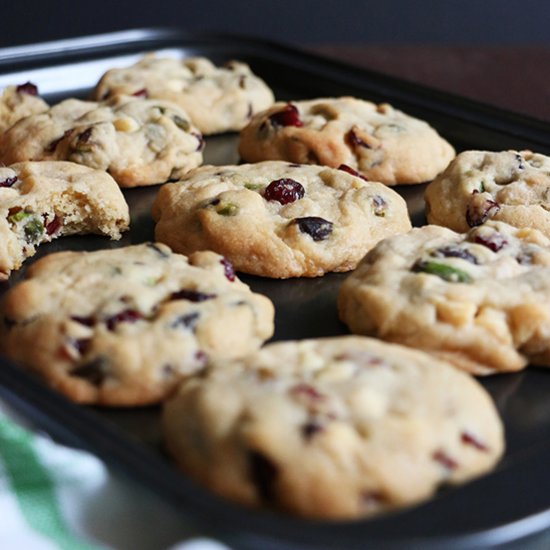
54,497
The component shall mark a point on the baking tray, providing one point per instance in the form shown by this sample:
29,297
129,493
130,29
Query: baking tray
505,506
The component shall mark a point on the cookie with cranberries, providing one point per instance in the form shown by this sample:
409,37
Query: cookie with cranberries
480,299
40,201
335,428
122,327
17,102
137,141
478,186
378,141
278,219
218,99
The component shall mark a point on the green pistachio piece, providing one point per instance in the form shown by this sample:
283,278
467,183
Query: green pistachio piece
33,229
18,216
181,123
228,209
253,186
444,271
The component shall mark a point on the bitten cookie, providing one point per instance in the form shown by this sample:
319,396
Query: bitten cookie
509,186
218,99
18,102
138,141
40,201
480,300
277,219
123,326
332,428
380,142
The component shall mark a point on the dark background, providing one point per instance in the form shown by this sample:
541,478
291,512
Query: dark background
294,21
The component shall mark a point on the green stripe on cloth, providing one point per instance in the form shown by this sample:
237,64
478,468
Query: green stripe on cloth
33,487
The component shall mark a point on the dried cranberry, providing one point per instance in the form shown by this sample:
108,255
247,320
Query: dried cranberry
8,182
82,345
468,439
311,428
263,474
228,270
350,170
28,88
189,320
284,191
84,137
317,228
494,241
53,226
86,321
355,140
94,371
191,295
52,146
307,390
454,251
140,93
480,209
126,316
288,116
445,460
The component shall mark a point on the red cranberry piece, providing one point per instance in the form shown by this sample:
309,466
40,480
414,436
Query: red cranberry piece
126,316
454,251
189,320
317,228
350,170
445,460
288,116
468,439
95,371
284,191
86,321
480,209
307,390
8,182
355,140
228,270
191,295
28,88
263,474
140,93
310,429
494,241
53,226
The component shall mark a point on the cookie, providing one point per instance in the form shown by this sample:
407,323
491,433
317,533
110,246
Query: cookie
508,186
218,99
122,327
332,428
138,141
380,142
17,102
277,219
40,201
480,300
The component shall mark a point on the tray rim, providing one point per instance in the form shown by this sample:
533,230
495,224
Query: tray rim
44,406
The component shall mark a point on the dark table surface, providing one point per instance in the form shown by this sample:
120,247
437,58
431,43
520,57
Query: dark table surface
516,78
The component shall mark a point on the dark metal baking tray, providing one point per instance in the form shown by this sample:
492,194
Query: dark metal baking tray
511,503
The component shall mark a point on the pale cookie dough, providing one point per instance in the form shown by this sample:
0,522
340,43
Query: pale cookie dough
122,327
17,102
40,201
380,142
277,219
218,99
480,300
332,428
508,186
138,141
